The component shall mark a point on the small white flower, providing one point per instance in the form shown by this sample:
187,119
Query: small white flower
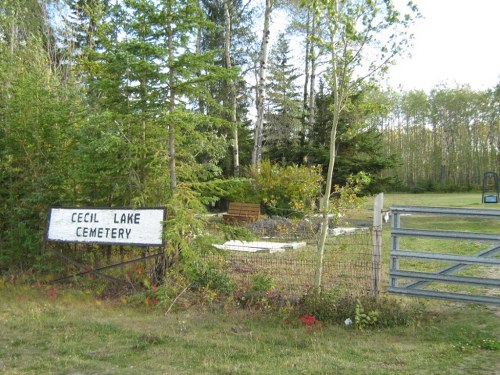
348,322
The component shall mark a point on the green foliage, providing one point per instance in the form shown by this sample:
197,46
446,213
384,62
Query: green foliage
448,131
361,146
86,121
207,276
335,306
430,186
349,196
232,232
362,319
467,340
261,283
283,130
232,189
200,146
184,222
38,110
288,191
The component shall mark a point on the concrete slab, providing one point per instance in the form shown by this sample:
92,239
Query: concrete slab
259,246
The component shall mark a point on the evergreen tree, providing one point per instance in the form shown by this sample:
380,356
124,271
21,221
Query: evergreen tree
39,110
360,143
145,78
281,134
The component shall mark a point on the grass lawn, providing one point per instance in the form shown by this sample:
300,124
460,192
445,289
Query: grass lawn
462,200
456,200
73,333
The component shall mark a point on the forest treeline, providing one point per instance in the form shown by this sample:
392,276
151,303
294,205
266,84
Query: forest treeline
444,140
173,102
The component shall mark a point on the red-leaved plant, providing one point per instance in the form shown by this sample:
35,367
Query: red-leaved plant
310,321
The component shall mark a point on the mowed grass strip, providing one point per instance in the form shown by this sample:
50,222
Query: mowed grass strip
77,334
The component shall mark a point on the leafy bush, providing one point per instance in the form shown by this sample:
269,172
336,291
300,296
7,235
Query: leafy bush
288,191
261,283
362,319
209,276
349,195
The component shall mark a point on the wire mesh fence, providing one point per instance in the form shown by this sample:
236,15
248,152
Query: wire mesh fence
280,251
287,255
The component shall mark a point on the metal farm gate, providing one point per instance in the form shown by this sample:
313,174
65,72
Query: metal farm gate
411,271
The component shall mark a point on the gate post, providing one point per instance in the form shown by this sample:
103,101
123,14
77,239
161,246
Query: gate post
377,244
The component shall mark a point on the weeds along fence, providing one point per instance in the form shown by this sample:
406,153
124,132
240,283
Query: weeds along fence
286,261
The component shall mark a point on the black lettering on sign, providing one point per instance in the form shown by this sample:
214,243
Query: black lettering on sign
127,218
116,233
87,217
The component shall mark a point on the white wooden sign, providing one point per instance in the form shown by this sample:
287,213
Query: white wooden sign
143,227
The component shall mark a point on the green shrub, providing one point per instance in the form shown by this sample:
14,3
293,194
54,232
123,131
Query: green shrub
209,276
365,312
288,191
232,232
364,319
232,189
330,306
261,283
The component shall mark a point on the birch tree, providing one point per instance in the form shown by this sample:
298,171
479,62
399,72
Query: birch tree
261,86
363,37
232,85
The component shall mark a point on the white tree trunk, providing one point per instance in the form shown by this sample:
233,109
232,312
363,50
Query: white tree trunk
261,87
232,86
312,57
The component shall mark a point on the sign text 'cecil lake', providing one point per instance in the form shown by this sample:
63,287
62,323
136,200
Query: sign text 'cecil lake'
111,226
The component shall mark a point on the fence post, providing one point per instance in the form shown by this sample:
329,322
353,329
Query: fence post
377,244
